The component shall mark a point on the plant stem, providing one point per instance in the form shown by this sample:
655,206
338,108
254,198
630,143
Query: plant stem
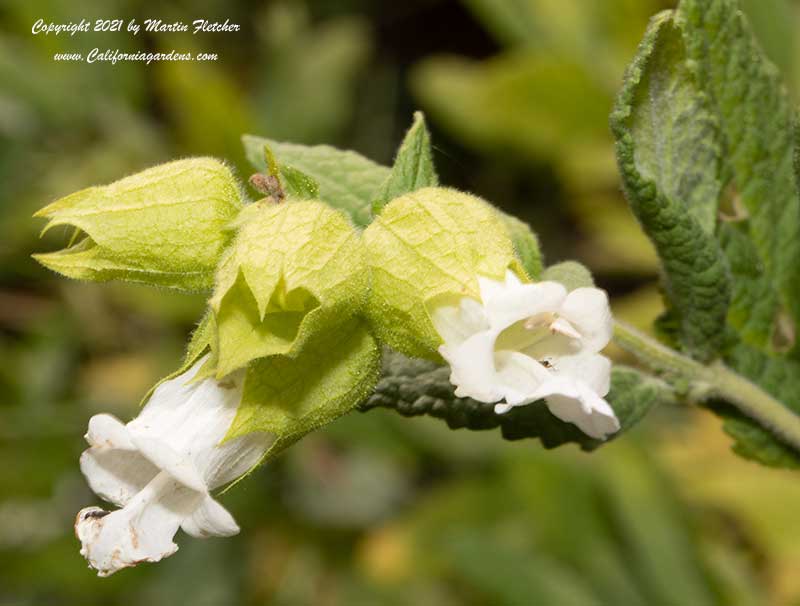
713,381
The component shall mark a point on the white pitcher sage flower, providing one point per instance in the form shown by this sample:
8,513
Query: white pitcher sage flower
527,342
160,468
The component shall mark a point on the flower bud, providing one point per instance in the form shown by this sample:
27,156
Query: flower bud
164,226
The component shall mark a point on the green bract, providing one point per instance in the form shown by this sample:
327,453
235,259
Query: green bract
425,247
294,269
291,396
164,226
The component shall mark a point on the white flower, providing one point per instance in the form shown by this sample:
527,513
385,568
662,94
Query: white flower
160,468
526,342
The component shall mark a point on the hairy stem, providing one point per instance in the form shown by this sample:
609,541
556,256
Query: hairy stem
713,381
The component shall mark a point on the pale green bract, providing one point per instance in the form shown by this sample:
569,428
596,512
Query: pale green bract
165,226
291,396
426,247
294,269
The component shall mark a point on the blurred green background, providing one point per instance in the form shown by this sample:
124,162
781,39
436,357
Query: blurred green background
375,509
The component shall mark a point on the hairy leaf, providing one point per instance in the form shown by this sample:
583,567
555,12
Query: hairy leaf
526,244
570,273
346,180
755,117
419,387
297,184
291,396
705,145
669,162
413,166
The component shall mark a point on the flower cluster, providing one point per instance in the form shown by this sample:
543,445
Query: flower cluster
301,304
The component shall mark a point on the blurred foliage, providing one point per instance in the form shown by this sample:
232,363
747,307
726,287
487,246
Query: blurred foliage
377,509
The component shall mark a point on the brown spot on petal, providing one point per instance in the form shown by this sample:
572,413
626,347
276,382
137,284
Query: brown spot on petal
226,384
134,538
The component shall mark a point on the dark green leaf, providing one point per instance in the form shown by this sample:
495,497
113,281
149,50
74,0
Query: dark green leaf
415,387
704,130
413,166
668,157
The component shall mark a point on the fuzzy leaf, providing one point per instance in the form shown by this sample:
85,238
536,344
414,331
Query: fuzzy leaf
415,387
570,273
704,129
746,93
294,269
297,184
669,160
346,180
291,396
526,244
413,166
429,244
165,226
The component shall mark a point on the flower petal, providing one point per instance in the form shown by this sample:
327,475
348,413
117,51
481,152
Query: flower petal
210,519
113,468
116,475
162,455
516,303
592,369
183,430
519,376
587,310
142,531
455,323
233,458
472,367
107,430
573,401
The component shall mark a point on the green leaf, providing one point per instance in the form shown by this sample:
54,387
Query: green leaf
780,377
416,387
295,268
429,244
347,180
165,226
293,183
570,273
413,166
754,113
297,184
526,244
668,157
291,396
704,129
